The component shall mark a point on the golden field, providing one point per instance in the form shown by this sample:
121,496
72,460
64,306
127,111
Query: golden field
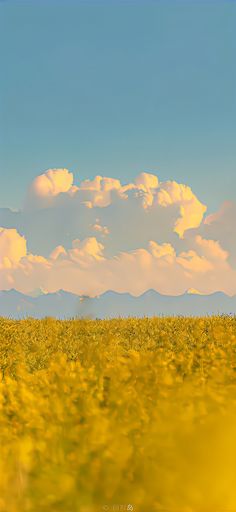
96,415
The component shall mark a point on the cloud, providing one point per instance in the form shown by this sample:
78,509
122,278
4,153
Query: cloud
191,209
100,229
84,269
211,249
98,192
165,251
49,185
52,183
147,180
221,226
102,191
191,261
102,234
57,211
12,247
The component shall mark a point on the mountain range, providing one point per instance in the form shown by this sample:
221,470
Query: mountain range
112,304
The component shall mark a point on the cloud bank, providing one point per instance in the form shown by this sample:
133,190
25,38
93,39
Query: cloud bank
101,234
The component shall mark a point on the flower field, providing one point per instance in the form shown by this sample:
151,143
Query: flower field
99,415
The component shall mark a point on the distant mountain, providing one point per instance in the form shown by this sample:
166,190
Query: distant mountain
112,304
17,305
151,303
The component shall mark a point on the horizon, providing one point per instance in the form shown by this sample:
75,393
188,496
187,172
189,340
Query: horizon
195,293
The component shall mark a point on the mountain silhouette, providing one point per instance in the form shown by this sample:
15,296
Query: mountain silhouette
111,304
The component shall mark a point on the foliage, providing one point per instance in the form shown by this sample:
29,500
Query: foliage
96,413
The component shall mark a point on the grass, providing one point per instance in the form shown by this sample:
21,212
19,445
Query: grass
111,413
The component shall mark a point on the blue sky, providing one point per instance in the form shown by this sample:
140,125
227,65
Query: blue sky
117,88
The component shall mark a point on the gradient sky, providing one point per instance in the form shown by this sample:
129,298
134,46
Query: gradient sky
115,88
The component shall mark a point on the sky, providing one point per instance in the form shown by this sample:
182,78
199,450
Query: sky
117,88
117,146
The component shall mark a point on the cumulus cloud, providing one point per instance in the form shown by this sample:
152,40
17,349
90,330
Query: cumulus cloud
49,185
211,249
191,209
102,234
55,188
12,247
52,183
57,211
147,180
221,226
85,270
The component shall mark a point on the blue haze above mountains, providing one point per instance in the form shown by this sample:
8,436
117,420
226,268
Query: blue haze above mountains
63,305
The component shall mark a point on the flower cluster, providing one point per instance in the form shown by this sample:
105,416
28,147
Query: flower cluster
96,413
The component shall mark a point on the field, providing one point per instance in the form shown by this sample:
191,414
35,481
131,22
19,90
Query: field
97,415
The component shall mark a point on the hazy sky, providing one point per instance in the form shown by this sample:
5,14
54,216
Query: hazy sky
116,88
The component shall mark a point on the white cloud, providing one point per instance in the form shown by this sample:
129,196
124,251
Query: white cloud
49,185
191,209
85,270
55,188
52,183
102,234
12,247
